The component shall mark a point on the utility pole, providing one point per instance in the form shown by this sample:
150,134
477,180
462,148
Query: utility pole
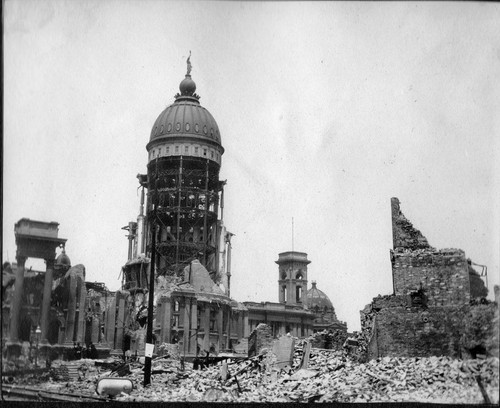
149,331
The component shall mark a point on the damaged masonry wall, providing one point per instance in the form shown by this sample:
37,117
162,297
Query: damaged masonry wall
429,311
443,273
190,310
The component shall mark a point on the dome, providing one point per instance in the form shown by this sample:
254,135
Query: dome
316,297
63,260
186,117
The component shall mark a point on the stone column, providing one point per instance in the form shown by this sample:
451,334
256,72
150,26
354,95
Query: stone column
15,307
120,324
228,327
80,335
70,314
165,321
245,325
47,294
240,325
193,338
94,337
186,325
206,326
220,329
111,323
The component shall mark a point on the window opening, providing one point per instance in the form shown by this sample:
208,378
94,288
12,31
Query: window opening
298,293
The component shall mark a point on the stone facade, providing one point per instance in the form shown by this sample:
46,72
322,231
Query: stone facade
282,318
300,311
190,311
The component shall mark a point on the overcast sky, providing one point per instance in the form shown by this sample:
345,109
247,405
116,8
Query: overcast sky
326,111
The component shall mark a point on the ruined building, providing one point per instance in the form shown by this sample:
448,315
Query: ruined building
48,310
430,311
184,211
300,311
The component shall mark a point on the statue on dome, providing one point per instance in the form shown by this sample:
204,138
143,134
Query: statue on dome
189,66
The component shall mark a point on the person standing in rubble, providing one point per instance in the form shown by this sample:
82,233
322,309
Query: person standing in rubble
78,352
93,352
85,352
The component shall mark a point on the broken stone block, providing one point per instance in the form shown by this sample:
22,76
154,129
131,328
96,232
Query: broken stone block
260,338
283,349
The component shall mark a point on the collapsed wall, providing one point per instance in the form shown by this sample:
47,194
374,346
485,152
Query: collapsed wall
429,310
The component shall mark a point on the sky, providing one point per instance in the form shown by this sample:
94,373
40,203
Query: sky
326,111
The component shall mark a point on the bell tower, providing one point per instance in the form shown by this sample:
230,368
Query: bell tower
292,281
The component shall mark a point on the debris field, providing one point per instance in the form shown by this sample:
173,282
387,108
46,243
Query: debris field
325,376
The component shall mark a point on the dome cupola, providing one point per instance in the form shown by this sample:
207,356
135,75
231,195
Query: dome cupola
185,128
62,261
316,297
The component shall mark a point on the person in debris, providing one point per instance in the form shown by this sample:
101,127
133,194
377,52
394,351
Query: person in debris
78,352
75,352
85,352
128,355
207,360
93,351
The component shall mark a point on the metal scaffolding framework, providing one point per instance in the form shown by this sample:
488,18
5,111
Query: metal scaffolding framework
187,194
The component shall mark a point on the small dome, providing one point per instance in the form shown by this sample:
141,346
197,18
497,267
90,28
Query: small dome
63,260
316,297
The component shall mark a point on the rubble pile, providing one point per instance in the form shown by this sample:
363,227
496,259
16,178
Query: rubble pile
330,376
328,339
325,376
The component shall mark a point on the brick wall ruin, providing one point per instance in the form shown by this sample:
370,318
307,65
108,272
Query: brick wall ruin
443,275
430,311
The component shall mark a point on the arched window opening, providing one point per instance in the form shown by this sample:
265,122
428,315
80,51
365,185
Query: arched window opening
298,294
